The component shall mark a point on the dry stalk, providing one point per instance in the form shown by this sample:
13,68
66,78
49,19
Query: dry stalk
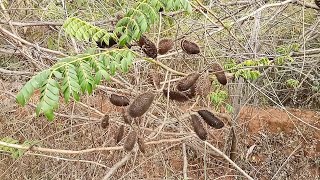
63,151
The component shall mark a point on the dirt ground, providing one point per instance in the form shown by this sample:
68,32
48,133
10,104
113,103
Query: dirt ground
271,143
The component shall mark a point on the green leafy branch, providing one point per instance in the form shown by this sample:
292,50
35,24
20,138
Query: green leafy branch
75,75
245,69
15,152
72,76
135,22
219,98
84,31
292,83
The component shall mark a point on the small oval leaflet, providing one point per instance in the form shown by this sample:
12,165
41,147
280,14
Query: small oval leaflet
175,95
118,100
130,141
190,47
198,127
141,104
186,83
105,121
210,119
119,134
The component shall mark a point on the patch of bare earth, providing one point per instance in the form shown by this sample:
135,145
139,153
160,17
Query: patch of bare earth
274,141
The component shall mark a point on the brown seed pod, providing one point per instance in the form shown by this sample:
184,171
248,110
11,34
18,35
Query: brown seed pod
126,118
165,45
150,50
176,95
190,47
119,134
198,127
203,85
142,145
119,100
142,40
219,72
317,2
141,104
105,121
186,83
148,47
130,141
221,77
210,119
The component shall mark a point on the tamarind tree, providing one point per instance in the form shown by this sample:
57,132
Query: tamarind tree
75,75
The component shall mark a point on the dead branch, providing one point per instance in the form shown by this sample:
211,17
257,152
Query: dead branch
229,160
62,151
6,32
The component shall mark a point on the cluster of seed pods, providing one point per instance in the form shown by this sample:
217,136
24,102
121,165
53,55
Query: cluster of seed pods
187,88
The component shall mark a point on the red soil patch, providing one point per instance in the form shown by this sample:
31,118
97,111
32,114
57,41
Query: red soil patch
276,120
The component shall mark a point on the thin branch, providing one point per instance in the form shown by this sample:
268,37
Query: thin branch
63,151
165,67
48,23
5,71
35,23
299,2
4,31
229,160
220,22
66,159
306,52
254,13
116,166
307,5
185,161
286,161
235,3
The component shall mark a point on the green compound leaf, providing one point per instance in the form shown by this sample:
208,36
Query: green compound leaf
73,76
49,100
34,83
70,84
135,22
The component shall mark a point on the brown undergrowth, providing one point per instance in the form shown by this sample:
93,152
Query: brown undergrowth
268,138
